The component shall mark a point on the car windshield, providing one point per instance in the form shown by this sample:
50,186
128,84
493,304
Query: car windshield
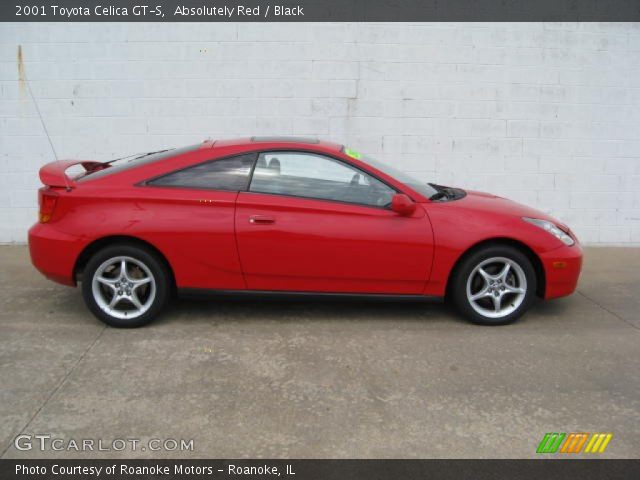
410,181
124,163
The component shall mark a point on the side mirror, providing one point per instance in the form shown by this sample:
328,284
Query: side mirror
402,204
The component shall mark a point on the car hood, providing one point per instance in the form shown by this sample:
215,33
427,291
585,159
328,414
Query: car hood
494,204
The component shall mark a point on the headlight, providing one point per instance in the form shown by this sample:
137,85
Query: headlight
551,228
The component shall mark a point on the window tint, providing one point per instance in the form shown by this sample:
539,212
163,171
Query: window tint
225,174
132,161
309,175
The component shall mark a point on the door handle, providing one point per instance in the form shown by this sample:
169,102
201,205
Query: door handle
261,219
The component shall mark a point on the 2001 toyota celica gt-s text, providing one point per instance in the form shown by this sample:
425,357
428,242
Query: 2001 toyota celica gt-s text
279,215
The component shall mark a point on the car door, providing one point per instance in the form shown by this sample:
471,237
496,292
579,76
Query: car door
194,215
310,222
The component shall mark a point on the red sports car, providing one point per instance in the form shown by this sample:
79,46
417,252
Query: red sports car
289,216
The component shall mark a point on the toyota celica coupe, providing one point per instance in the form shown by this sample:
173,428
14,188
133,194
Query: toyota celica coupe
289,216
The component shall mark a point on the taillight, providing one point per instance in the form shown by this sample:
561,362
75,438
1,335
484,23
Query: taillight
47,200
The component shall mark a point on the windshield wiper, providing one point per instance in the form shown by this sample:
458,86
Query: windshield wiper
439,195
443,193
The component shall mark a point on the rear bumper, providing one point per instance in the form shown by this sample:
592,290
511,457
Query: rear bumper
54,253
562,268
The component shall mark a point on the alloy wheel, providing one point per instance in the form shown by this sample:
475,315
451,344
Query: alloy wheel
496,287
124,287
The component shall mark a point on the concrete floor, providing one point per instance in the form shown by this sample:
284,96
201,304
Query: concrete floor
311,379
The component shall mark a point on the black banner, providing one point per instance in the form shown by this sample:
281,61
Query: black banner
547,469
318,10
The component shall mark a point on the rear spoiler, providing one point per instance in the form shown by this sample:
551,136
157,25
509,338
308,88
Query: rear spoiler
53,174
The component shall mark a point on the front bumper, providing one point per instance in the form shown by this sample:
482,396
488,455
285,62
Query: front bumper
562,268
54,253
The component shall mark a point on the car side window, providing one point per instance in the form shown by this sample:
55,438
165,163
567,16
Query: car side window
311,175
224,174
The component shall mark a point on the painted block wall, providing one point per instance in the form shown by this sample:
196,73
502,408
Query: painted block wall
545,114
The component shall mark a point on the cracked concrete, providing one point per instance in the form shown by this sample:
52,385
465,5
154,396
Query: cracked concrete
313,379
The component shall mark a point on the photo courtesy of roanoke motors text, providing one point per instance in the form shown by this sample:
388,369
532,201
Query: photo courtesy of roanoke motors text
336,239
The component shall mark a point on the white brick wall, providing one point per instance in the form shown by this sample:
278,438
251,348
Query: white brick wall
547,114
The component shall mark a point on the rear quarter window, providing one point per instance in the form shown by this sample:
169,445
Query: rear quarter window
230,174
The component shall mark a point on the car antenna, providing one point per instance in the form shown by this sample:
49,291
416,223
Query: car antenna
23,76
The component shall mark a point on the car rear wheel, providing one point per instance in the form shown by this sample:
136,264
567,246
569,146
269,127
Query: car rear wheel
125,286
494,285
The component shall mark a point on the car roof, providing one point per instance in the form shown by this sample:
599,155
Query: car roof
273,142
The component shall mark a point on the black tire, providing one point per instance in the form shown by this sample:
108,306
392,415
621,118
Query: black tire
467,267
157,268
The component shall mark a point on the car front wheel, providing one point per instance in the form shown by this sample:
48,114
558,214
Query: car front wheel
494,285
125,286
